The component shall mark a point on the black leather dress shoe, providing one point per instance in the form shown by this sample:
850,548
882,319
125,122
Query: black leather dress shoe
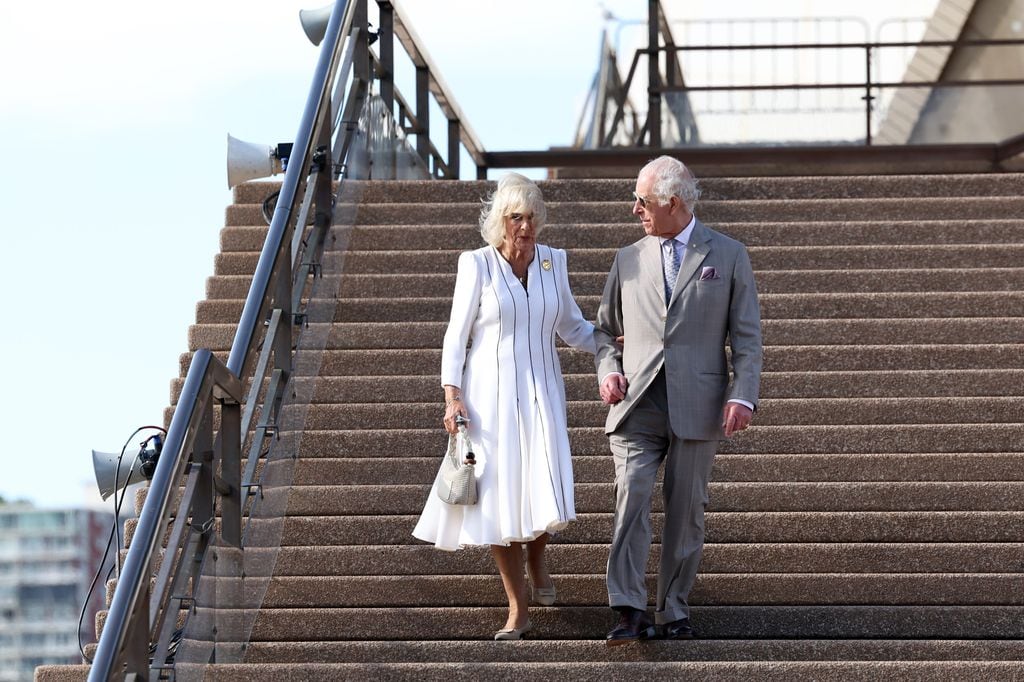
633,625
677,629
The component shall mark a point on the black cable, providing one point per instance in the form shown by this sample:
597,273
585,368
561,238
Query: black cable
269,206
88,596
114,531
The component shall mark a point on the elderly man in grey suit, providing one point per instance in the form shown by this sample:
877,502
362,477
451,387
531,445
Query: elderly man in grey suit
677,297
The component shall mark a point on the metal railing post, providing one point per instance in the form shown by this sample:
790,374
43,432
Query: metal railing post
136,645
653,79
203,453
454,130
362,65
423,114
203,510
231,472
386,41
867,95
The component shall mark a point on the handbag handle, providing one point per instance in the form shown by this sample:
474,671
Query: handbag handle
461,422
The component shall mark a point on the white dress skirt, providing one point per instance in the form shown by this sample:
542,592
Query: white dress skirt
511,385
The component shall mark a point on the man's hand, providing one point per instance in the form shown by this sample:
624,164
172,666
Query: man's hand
613,388
735,417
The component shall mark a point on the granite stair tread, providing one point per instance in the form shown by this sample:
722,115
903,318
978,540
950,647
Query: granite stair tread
776,332
221,287
753,187
711,211
972,304
882,257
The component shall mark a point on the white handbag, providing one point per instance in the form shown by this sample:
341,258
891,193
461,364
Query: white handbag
456,482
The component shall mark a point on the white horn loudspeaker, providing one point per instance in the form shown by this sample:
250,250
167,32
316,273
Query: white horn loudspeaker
248,161
110,477
314,22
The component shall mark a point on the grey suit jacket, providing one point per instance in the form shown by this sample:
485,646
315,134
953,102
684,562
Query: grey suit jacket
714,302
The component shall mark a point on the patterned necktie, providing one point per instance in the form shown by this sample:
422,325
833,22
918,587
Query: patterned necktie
670,265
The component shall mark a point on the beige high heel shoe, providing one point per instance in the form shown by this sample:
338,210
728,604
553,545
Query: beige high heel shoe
513,633
545,596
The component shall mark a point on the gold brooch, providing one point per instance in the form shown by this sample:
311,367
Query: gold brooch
546,264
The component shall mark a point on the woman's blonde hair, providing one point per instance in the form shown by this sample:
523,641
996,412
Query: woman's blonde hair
515,194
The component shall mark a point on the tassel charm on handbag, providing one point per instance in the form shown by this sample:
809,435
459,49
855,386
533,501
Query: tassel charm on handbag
456,482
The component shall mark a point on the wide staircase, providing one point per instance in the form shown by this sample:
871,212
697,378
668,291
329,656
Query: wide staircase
870,525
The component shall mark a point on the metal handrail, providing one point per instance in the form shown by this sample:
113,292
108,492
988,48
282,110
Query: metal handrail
138,633
129,617
258,301
124,646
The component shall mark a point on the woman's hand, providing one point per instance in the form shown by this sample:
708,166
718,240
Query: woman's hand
453,407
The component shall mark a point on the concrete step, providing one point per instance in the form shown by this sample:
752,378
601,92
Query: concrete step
870,439
794,558
722,527
768,497
589,650
417,361
571,236
777,332
771,412
367,468
592,283
892,305
712,671
717,671
712,188
878,384
403,495
743,589
710,212
564,559
763,258
884,622
830,358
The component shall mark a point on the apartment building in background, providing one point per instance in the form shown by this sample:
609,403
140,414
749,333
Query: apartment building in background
48,558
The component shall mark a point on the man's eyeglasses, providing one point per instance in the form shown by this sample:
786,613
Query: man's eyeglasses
643,201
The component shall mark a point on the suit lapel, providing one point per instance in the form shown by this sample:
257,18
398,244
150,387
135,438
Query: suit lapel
696,251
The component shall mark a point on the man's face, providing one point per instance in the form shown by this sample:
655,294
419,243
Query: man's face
658,220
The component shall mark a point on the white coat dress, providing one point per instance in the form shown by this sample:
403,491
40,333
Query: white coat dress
511,385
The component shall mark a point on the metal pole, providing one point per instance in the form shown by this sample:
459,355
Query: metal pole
423,114
653,78
454,130
867,95
386,40
231,472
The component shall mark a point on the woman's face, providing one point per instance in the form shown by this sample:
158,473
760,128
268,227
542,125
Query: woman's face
520,230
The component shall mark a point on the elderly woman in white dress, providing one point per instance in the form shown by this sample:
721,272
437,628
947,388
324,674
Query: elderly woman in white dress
511,298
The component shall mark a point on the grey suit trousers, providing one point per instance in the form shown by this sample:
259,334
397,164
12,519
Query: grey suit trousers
639,445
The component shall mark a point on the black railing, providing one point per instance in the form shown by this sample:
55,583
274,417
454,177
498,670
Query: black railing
665,76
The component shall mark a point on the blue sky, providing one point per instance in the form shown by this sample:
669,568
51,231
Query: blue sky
115,115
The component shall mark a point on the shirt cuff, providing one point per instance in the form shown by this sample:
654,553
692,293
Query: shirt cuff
744,403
